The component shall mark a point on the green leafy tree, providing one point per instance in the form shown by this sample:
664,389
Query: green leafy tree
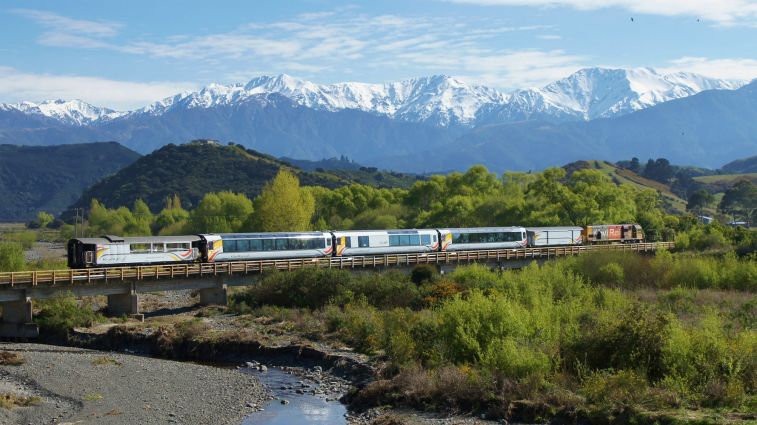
221,213
172,217
44,219
741,197
699,199
283,205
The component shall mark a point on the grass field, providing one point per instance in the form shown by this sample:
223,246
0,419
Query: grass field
726,178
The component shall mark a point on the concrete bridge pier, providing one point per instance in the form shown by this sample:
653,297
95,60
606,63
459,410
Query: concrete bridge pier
17,320
216,295
125,305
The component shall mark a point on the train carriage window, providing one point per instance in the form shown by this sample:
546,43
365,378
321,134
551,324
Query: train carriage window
363,241
267,244
175,247
394,240
158,247
404,240
425,239
415,240
243,245
230,246
139,248
256,245
281,245
434,237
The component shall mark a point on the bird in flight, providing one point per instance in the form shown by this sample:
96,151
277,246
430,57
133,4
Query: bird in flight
632,19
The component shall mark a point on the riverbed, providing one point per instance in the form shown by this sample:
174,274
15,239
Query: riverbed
295,401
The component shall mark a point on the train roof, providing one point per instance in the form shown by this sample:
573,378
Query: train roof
483,229
389,232
268,235
138,239
555,228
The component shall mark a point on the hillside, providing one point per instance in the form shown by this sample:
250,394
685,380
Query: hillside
741,166
350,170
50,178
620,175
196,168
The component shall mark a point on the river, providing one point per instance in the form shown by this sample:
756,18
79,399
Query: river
306,408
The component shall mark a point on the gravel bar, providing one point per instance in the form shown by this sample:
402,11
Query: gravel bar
93,387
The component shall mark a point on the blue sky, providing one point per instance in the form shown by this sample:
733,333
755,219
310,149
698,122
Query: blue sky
127,54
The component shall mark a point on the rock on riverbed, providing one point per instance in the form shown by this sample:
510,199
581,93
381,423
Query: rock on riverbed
95,387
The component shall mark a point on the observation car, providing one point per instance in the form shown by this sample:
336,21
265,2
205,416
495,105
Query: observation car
265,246
482,238
555,236
371,242
114,250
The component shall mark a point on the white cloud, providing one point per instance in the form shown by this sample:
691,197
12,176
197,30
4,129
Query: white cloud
61,23
16,86
726,68
327,43
725,12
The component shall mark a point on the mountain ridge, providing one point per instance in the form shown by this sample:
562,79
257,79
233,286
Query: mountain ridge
437,100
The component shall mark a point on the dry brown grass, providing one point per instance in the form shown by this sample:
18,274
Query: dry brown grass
10,400
9,358
105,361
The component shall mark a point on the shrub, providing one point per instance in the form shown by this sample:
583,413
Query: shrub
423,273
615,390
611,274
61,314
11,257
358,324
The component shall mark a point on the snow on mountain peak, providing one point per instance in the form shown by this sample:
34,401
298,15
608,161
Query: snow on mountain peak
439,100
71,112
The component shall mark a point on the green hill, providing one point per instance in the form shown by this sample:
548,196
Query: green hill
50,178
620,175
741,166
196,168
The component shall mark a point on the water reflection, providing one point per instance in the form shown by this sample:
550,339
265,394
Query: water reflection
301,409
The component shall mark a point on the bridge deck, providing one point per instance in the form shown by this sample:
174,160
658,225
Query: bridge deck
200,270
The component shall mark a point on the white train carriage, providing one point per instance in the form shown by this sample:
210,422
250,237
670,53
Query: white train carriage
554,236
375,242
120,251
483,238
266,246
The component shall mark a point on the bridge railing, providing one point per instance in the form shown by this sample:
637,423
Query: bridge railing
199,270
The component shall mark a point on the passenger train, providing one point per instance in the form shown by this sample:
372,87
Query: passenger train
111,250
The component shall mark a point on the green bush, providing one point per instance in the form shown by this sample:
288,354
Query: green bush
59,315
423,273
11,257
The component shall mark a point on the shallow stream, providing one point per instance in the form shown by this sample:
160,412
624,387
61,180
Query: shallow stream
305,408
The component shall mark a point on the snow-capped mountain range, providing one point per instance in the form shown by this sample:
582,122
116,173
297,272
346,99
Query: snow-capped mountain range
438,100
71,112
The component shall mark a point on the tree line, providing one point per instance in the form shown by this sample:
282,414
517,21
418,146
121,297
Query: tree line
474,198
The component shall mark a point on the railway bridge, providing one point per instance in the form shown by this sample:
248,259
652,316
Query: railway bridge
122,285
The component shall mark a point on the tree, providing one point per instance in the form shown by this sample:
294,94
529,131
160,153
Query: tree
659,170
172,215
44,219
635,166
741,197
283,206
221,212
699,199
